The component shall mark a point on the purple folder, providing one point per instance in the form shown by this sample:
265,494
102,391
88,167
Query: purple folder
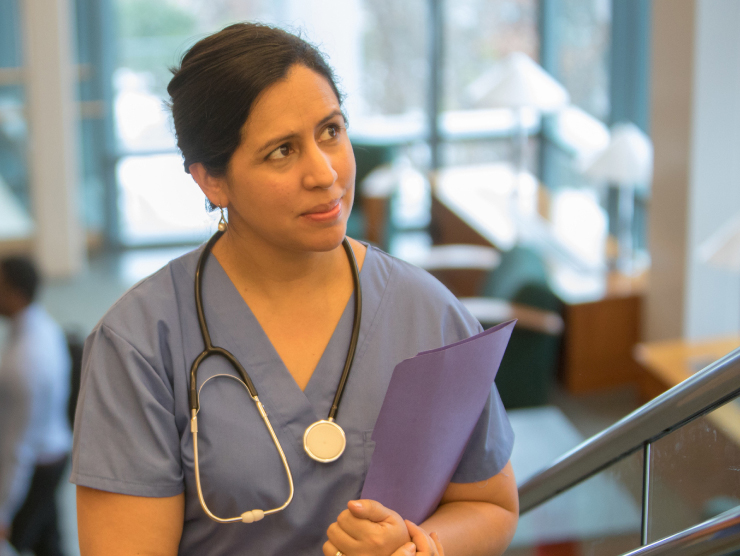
431,407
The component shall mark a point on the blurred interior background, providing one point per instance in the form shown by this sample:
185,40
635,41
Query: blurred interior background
571,163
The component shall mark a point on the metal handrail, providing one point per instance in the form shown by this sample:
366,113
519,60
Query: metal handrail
708,389
711,538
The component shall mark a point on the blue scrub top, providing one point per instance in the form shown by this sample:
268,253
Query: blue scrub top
132,433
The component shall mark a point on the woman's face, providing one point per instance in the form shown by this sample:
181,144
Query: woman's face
290,182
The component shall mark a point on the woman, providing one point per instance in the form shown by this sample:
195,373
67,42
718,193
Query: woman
259,122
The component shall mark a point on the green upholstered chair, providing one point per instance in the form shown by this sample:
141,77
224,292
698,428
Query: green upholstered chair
367,158
516,286
528,369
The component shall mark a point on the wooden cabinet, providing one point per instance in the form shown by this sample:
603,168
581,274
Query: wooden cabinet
598,342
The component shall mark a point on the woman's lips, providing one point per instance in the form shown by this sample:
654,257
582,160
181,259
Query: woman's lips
321,213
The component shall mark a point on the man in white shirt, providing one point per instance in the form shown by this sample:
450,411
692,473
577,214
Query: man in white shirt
35,436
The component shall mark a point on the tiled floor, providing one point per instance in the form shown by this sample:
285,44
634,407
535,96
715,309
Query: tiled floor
542,434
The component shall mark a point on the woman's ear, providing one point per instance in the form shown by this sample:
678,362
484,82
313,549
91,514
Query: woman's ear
213,187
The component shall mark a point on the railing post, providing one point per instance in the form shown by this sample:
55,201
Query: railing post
646,468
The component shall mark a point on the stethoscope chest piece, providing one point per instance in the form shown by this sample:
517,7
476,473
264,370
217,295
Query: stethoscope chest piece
324,441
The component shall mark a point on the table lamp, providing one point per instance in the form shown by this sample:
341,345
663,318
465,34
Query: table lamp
627,163
519,83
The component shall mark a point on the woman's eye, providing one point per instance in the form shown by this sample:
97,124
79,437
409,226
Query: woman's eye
331,132
281,152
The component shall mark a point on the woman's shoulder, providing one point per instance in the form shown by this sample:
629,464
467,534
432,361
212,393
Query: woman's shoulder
154,301
410,288
415,280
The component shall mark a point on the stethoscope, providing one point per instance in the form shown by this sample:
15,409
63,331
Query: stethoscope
324,440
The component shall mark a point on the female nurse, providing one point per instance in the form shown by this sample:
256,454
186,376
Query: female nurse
259,122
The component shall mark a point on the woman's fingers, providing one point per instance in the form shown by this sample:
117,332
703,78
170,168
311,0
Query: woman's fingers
370,528
422,544
370,510
340,539
438,545
408,549
329,549
426,545
355,527
418,537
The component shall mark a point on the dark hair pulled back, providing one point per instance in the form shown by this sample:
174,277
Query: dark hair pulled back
220,77
20,274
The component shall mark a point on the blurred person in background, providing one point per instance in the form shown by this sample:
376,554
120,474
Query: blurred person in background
35,436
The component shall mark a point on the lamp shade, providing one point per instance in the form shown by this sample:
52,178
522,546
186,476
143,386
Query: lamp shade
581,132
627,160
519,82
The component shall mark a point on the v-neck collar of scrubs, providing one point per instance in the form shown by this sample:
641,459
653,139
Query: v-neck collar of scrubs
234,327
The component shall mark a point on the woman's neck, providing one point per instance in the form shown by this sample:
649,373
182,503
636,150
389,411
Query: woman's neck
258,267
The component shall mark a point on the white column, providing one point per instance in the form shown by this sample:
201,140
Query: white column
53,120
696,186
713,294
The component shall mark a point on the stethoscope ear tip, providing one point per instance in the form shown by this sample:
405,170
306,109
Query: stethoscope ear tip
252,516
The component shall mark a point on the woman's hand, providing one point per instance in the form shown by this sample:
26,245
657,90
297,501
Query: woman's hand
421,544
367,528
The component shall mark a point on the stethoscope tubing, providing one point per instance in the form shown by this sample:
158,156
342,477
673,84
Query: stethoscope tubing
210,350
252,515
355,331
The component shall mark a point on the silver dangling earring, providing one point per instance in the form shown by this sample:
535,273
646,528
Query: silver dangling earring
222,223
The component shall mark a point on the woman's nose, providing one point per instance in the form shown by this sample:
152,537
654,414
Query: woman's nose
319,171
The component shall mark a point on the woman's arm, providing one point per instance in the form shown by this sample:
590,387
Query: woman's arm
477,518
112,524
472,519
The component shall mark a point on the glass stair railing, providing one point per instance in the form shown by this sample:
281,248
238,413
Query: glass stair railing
719,536
672,466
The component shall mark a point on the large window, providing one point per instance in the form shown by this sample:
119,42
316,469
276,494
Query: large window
16,220
384,53
582,53
577,51
377,49
14,199
477,35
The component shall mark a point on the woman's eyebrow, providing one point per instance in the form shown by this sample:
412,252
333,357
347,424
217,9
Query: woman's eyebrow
291,135
277,141
334,114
